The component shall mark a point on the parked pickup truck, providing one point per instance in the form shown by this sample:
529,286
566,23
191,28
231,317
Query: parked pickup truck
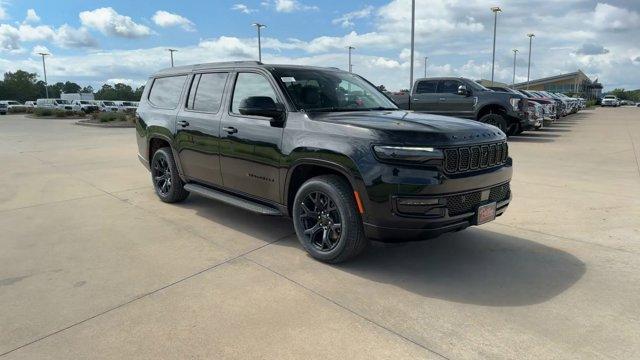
322,146
465,98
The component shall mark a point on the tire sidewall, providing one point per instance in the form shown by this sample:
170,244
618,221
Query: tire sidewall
496,120
346,219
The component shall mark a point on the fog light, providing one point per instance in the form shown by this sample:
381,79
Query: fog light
418,202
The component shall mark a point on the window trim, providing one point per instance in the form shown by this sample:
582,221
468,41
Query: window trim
186,75
232,93
199,75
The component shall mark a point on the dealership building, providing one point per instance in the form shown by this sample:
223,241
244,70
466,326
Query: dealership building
572,83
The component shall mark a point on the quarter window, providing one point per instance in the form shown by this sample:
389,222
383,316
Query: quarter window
249,85
165,92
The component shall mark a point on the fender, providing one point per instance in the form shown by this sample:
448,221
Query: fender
176,157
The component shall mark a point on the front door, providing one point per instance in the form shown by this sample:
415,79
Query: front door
251,151
198,128
451,103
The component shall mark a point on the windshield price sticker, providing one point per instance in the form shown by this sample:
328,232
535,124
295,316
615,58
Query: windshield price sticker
288,79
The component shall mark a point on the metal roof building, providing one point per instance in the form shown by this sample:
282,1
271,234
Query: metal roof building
572,83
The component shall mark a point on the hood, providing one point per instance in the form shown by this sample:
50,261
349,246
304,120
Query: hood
410,127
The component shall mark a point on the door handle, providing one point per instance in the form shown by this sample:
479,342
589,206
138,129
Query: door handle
443,99
183,123
230,129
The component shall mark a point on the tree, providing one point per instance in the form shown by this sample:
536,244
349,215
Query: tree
20,86
138,93
70,87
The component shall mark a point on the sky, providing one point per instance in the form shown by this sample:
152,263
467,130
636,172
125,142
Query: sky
97,42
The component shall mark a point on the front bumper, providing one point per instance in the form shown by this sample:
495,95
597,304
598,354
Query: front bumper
385,220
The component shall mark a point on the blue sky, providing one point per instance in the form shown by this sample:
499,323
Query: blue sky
93,42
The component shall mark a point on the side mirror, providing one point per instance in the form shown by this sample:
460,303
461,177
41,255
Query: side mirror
462,90
262,106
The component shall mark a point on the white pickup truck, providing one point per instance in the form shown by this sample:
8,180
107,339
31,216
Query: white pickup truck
610,100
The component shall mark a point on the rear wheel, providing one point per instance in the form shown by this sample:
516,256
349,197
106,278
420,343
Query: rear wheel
164,174
327,221
496,120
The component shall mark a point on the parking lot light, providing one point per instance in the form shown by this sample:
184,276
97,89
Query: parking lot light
259,27
171,51
513,82
495,10
531,36
44,69
350,48
413,30
425,65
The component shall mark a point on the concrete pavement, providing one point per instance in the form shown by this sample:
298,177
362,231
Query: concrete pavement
94,266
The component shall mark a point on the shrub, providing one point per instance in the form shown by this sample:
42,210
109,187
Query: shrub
43,112
111,116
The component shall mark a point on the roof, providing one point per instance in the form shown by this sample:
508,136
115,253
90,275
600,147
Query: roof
553,78
234,64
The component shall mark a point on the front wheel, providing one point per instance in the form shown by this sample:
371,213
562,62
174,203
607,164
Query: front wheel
327,221
496,120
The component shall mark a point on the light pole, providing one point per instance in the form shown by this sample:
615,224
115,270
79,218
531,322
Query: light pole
425,65
513,82
259,27
413,28
350,66
495,10
530,35
44,69
171,51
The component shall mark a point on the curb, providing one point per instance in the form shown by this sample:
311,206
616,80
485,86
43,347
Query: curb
104,125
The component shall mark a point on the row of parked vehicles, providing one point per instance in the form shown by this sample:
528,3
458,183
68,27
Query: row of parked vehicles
84,106
512,111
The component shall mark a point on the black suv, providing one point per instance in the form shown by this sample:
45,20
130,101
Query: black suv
465,98
322,146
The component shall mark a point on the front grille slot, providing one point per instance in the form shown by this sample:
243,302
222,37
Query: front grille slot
459,204
475,157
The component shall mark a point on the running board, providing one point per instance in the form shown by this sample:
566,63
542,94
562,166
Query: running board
232,200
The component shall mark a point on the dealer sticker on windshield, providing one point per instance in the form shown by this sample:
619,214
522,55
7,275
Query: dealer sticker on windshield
288,79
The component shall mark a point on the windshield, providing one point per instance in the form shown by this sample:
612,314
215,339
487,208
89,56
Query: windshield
609,97
84,102
477,87
126,103
320,90
61,102
109,103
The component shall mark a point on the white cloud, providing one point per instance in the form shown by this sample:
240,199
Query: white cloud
36,33
609,17
287,6
69,37
109,22
166,19
9,38
3,12
32,17
243,8
346,20
65,36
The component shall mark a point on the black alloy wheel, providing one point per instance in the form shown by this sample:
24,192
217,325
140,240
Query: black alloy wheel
321,221
162,175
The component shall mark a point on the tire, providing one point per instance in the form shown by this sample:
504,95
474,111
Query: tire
496,120
320,204
164,176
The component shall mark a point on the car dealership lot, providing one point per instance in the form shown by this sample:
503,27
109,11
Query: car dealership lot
93,265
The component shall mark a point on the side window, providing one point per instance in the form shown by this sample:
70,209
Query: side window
208,95
165,92
426,87
248,85
448,86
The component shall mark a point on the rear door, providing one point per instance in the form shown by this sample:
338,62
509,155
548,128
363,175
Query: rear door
450,103
198,128
425,98
251,153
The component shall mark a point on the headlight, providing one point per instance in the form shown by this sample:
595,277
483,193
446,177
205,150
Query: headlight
408,154
515,103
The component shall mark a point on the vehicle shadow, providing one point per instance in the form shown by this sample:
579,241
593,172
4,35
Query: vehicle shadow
525,138
476,266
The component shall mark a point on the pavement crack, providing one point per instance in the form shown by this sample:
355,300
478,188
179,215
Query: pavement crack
347,309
